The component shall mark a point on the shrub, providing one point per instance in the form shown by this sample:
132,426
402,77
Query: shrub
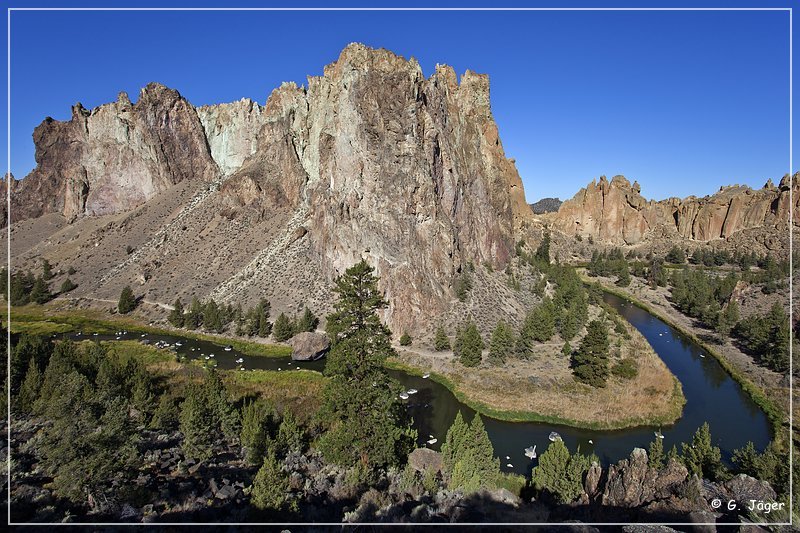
405,339
626,369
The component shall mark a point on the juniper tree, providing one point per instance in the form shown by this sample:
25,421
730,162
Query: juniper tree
67,286
290,435
270,486
40,293
367,423
307,322
701,457
47,270
453,442
559,473
29,390
198,424
258,421
194,317
656,454
471,457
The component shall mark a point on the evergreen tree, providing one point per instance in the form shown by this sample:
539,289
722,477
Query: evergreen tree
676,255
454,442
543,251
566,350
307,322
224,412
270,486
441,342
405,339
367,423
290,435
282,329
47,270
728,319
194,317
470,345
40,293
68,286
624,276
198,425
29,391
543,321
656,453
559,473
166,415
701,457
258,419
127,301
212,320
176,315
462,285
590,361
474,465
501,346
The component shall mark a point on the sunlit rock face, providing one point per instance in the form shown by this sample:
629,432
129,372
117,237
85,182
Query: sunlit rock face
615,212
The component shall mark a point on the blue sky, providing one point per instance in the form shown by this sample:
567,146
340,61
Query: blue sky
681,101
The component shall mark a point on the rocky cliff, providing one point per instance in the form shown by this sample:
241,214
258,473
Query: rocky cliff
371,159
615,212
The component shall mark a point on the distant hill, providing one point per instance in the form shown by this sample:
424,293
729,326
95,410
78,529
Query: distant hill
546,205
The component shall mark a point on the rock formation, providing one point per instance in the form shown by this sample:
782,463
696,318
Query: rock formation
615,212
309,346
371,160
546,205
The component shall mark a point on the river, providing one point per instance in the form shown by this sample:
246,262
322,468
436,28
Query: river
711,395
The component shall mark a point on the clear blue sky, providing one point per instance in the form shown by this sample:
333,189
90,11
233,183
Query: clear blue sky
683,102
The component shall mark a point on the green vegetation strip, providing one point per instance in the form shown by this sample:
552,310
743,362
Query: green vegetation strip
529,416
29,319
774,413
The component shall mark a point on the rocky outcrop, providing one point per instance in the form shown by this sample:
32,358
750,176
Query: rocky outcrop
615,212
632,482
426,460
546,205
114,157
309,346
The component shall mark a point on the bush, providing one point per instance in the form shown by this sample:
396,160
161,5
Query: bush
67,286
626,369
405,339
127,301
441,342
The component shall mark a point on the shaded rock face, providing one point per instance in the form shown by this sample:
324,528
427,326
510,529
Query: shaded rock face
632,483
309,346
371,159
546,205
615,212
115,157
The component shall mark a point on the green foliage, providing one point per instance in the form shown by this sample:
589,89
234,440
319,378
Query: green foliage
566,350
676,256
462,285
624,278
290,435
501,346
767,336
224,411
166,414
307,322
542,255
194,317
770,466
367,424
198,424
701,457
127,301
29,391
625,369
441,342
543,321
47,270
701,294
728,318
655,454
590,361
68,286
405,339
176,317
71,271
258,423
40,292
559,473
470,462
469,345
256,321
29,348
270,486
282,329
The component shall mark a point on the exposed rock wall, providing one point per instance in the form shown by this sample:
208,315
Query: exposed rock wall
615,212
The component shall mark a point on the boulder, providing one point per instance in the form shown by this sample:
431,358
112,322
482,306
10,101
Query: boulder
744,488
308,346
425,459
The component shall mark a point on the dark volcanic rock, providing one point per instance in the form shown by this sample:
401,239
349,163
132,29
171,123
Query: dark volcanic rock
546,205
308,346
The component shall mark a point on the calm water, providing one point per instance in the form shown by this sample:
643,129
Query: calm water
711,395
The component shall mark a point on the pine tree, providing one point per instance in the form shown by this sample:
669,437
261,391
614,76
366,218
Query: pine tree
624,277
543,322
290,435
29,391
701,457
224,412
590,361
470,351
198,425
127,301
282,329
307,322
441,342
367,423
47,270
474,466
543,251
501,346
728,319
176,315
454,442
559,473
194,317
656,454
566,350
40,293
270,486
258,420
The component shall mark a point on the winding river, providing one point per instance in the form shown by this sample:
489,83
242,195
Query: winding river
711,395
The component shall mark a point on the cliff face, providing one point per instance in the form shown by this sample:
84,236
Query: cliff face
114,157
371,159
615,212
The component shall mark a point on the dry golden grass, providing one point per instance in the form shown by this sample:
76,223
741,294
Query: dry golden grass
544,388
